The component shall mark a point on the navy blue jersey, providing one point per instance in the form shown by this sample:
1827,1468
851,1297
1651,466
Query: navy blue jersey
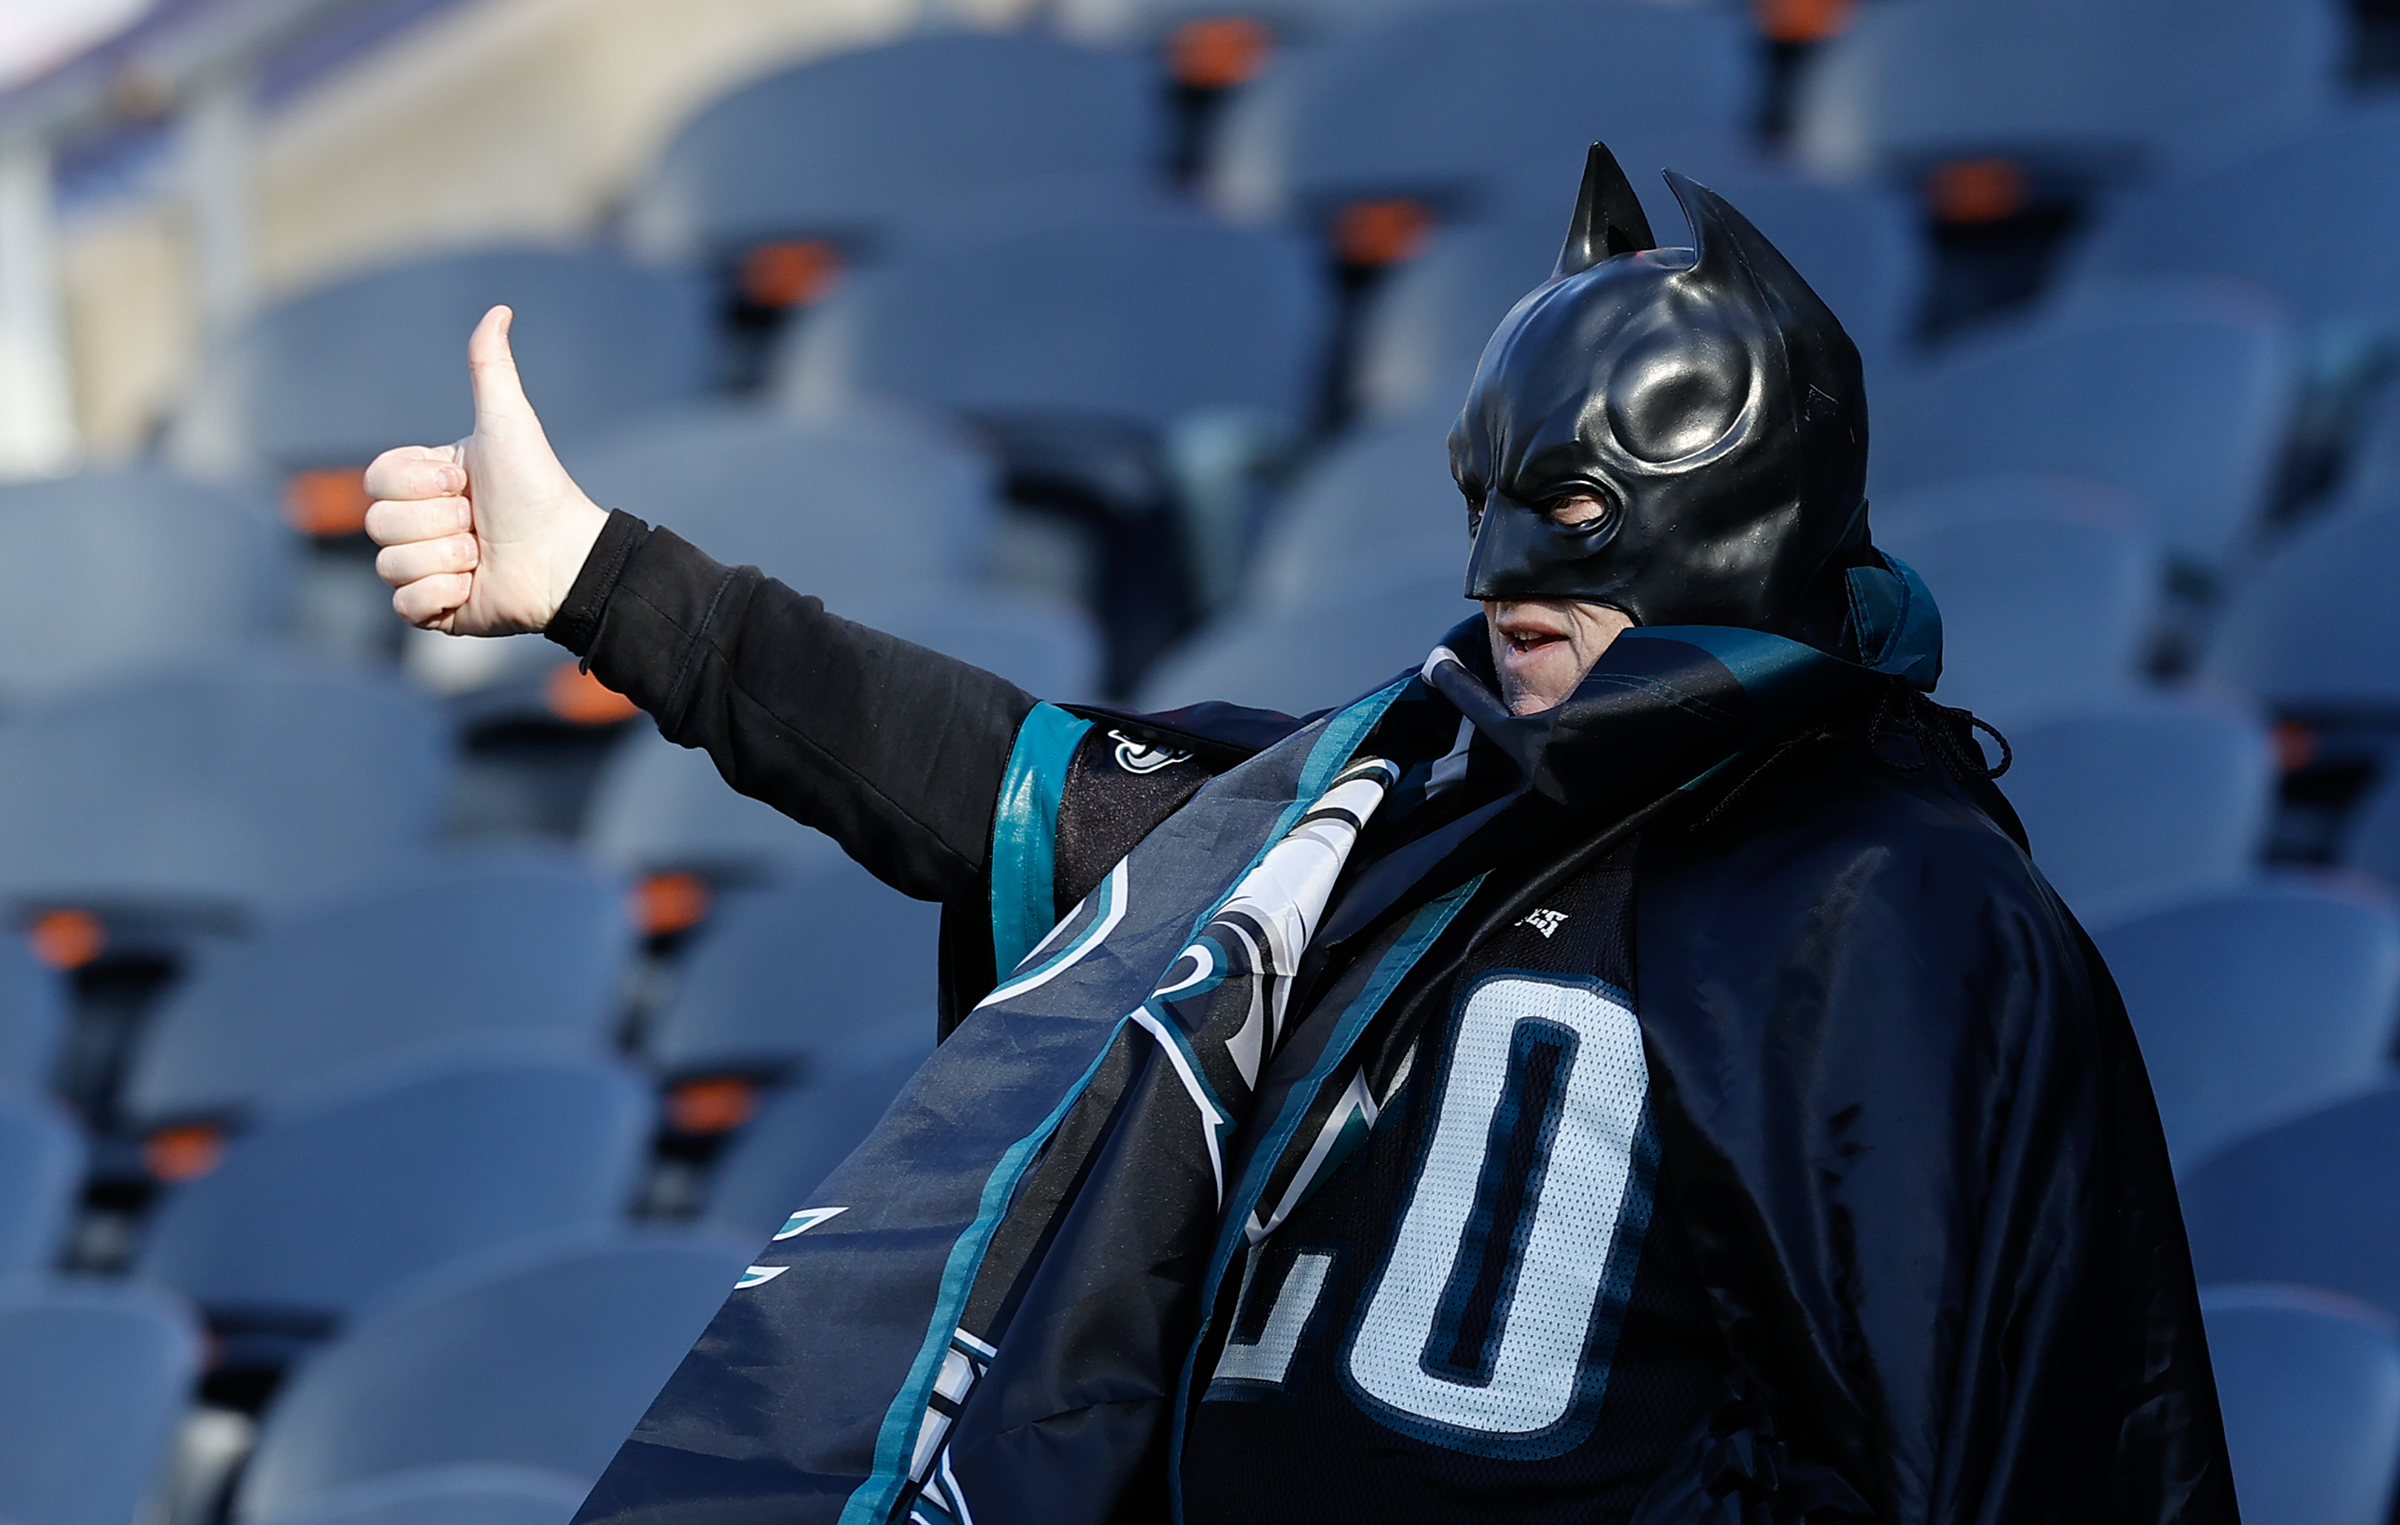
1487,1313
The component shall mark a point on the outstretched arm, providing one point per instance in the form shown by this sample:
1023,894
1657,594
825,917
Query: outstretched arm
896,752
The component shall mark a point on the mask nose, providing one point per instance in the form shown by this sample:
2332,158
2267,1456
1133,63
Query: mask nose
1519,553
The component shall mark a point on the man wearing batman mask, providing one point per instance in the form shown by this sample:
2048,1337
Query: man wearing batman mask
1624,1069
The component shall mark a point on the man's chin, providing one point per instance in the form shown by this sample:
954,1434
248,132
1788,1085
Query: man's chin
1535,680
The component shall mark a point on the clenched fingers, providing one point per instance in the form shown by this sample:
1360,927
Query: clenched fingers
403,564
430,601
417,471
392,522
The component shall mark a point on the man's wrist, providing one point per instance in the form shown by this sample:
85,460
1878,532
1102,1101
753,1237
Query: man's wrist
576,622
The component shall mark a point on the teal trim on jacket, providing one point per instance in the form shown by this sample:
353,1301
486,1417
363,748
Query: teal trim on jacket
1025,833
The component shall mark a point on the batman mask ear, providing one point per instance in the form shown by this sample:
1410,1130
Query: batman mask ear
1729,251
1608,217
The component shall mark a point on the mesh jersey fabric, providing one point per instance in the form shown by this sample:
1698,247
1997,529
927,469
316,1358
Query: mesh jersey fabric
1487,1313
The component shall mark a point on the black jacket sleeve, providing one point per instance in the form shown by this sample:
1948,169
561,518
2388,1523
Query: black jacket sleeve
896,752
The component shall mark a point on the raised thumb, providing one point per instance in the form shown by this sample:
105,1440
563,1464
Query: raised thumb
492,371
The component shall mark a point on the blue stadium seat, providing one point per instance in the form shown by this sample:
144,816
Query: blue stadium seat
242,785
2175,391
1909,83
1379,507
332,378
2142,796
460,1495
2256,1003
848,146
542,1355
658,808
2335,193
2372,842
1144,319
132,569
2315,630
2314,1200
33,1017
802,1133
789,972
1120,22
1413,109
2310,1385
347,1188
1857,248
41,1168
92,1378
533,944
2051,600
1307,659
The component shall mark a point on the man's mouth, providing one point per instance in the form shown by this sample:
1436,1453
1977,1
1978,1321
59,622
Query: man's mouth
1531,640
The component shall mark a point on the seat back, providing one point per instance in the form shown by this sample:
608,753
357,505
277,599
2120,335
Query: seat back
41,1169
253,783
2175,392
785,974
1307,659
804,1132
33,1017
459,1495
131,569
2333,192
530,944
2309,1382
1857,248
331,378
1910,82
2316,629
2372,844
1379,507
2256,1003
1411,109
1138,318
847,145
540,1356
859,502
347,1189
92,1379
2143,796
2314,1200
2052,600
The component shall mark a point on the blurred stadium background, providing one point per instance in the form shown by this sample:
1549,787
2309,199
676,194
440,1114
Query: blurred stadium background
1087,339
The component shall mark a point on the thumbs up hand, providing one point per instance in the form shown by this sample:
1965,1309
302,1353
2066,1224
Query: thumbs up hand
483,537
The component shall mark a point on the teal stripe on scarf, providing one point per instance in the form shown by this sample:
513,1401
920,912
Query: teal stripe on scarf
1025,833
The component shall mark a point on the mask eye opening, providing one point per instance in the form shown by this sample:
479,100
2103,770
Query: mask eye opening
1596,492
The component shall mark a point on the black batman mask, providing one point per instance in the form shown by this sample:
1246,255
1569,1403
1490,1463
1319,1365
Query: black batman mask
1705,397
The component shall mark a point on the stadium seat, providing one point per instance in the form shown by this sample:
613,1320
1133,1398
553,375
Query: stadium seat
541,1356
2141,796
2309,1382
1306,659
1379,507
135,568
2314,1200
33,1017
2174,391
41,1167
1908,84
532,945
1140,319
848,146
2372,843
347,1188
2334,193
657,807
1410,110
244,785
92,1378
2316,630
788,972
460,1495
2253,1004
1858,249
862,500
2051,599
805,1131
330,379
1141,22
